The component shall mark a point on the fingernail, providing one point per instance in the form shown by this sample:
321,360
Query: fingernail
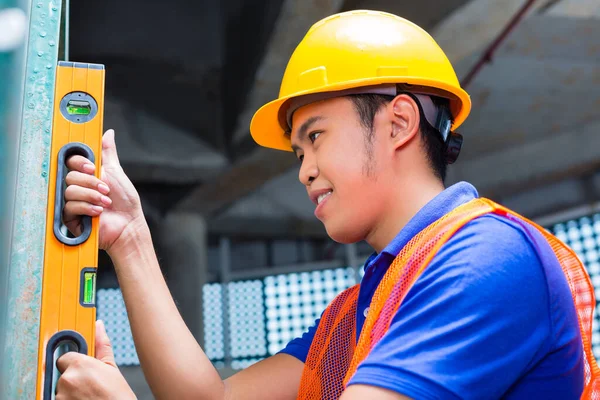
97,209
89,168
102,188
106,200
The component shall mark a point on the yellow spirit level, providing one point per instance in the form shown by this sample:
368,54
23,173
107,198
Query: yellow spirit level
68,313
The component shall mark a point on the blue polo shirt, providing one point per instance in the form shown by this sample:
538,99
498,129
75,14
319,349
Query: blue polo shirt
490,317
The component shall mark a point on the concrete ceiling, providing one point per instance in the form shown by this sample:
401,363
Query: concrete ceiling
188,63
182,87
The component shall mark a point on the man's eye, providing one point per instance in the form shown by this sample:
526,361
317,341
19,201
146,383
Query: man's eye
313,136
301,158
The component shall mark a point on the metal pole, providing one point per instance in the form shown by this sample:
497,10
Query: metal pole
67,16
34,87
489,52
225,268
13,38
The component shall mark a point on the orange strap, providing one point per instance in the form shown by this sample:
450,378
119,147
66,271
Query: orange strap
582,292
333,357
331,350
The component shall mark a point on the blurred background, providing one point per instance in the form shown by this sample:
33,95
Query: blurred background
245,259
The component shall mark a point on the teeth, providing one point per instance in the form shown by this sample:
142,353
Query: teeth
321,197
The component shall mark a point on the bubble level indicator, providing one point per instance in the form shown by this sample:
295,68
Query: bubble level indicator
79,107
89,288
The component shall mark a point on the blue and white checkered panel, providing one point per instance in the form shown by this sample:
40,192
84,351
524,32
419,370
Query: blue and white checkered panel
111,310
583,236
247,319
212,312
295,301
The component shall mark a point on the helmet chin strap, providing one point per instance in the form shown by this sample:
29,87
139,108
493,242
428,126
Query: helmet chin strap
453,146
452,140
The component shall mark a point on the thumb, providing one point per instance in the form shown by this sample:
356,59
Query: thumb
104,351
109,149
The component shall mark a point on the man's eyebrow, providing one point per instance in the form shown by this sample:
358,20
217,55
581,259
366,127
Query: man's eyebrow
303,129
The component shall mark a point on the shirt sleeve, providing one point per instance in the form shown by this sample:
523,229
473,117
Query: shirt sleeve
298,347
476,319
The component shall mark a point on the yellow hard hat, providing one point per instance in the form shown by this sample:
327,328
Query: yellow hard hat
359,49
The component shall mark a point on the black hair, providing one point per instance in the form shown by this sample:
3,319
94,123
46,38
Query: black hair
367,106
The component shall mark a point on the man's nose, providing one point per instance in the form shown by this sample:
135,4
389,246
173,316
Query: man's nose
308,170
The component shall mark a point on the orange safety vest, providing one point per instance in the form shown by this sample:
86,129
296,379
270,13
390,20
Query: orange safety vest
334,354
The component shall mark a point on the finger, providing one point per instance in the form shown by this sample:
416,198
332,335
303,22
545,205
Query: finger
75,209
109,150
69,359
81,164
75,227
64,390
104,351
87,181
78,193
68,385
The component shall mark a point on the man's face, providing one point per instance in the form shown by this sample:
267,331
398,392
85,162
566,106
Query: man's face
340,168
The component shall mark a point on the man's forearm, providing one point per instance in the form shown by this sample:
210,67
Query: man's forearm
174,364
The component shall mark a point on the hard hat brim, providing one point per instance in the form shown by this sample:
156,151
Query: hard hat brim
268,126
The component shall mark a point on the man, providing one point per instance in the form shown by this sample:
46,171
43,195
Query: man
478,308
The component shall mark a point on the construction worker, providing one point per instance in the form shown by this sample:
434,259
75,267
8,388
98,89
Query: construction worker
461,299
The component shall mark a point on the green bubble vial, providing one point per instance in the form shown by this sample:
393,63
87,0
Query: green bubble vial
79,107
89,288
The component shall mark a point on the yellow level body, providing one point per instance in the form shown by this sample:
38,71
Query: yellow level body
68,313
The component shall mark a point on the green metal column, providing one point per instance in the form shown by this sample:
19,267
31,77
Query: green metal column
27,75
13,37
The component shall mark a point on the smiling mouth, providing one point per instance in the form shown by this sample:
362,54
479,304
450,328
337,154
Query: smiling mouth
323,197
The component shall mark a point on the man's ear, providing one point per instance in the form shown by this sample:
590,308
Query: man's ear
405,118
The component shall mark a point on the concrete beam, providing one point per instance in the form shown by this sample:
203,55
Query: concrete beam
470,28
151,150
545,98
268,228
545,161
425,13
540,202
160,35
576,8
296,17
243,178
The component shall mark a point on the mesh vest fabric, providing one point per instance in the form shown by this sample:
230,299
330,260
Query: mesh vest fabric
335,355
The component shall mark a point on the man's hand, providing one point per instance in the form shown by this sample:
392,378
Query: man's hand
84,377
114,197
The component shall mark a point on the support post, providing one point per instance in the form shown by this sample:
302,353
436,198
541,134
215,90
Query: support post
225,269
33,88
183,246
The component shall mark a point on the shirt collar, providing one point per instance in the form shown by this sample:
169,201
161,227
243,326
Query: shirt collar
452,197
